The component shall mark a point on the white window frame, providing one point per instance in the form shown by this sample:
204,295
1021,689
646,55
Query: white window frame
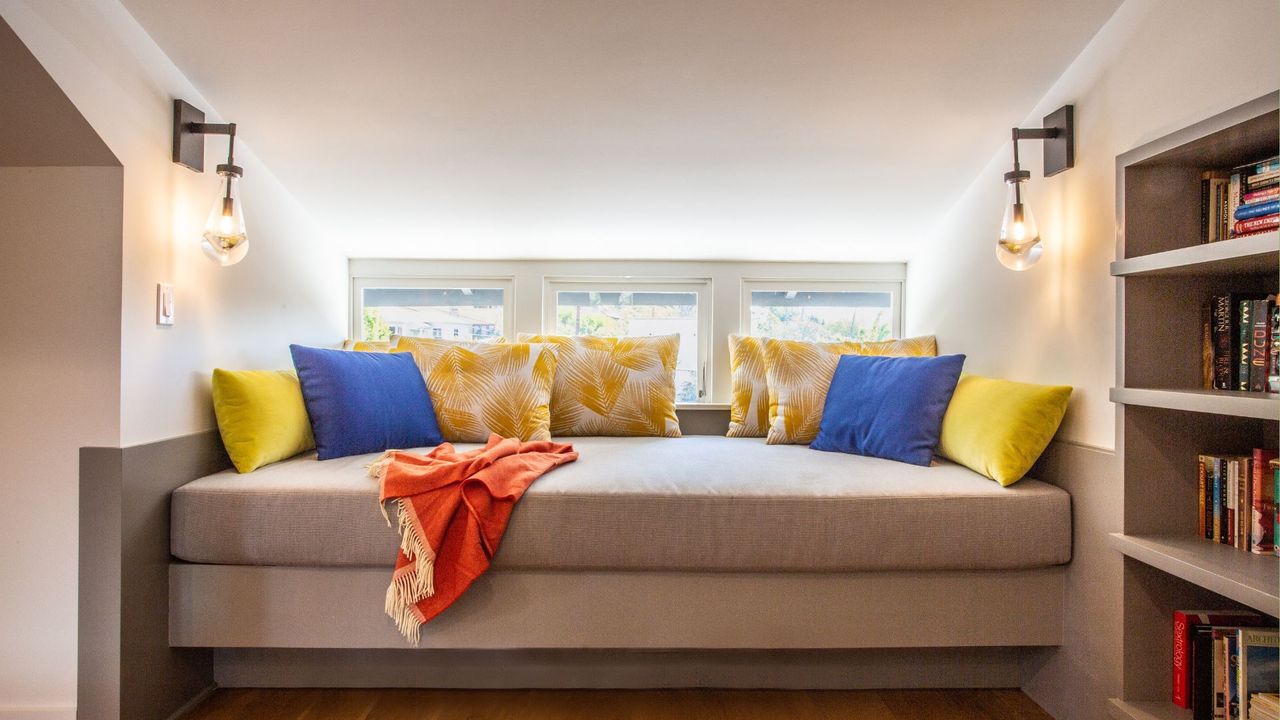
552,286
749,285
360,283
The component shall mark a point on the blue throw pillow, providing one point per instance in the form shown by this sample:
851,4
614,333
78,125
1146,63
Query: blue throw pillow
363,402
888,407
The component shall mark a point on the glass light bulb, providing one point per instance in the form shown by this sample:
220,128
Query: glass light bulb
1019,245
225,240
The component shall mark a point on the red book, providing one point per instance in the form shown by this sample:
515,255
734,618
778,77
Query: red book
1184,625
1256,225
1262,533
1260,195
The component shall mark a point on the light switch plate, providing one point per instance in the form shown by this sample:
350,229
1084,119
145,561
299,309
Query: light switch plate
164,304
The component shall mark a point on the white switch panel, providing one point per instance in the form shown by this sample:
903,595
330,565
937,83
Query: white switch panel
164,304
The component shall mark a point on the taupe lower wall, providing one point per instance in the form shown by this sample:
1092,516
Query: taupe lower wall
126,668
1073,681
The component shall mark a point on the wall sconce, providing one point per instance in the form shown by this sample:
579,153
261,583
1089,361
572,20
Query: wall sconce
224,238
1019,245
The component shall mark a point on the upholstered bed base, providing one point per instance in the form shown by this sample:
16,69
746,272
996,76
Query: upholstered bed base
234,606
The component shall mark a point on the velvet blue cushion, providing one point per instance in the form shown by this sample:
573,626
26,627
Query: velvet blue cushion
363,402
888,407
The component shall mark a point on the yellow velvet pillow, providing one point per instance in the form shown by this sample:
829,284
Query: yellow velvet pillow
998,427
749,401
613,386
799,374
479,388
261,416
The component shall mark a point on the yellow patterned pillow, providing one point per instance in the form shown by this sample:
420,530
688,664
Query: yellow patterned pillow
749,402
483,388
613,386
799,373
381,346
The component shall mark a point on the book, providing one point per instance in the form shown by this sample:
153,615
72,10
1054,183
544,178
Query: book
1206,346
1230,502
1204,696
1202,474
1258,658
1185,625
1244,333
1275,491
1257,209
1261,178
1231,646
1256,225
1262,503
1267,165
1235,190
1219,673
1273,362
1221,310
1259,353
1219,497
1213,203
1255,196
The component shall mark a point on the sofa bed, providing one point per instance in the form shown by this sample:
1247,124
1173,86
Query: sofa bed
692,542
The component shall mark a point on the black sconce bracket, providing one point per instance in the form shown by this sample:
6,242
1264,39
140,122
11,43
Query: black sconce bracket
1059,136
189,129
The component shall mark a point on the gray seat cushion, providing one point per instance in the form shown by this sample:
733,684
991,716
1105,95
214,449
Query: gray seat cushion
696,503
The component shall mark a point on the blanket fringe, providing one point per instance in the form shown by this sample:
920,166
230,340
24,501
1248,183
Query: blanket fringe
412,584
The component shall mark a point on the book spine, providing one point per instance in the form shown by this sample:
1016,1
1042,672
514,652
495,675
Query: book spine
1206,346
1224,193
1262,178
1233,675
1256,225
1219,498
1231,503
1205,205
1273,363
1253,210
1267,165
1235,189
1221,342
1181,651
1260,344
1244,333
1261,183
1256,196
1244,503
1202,483
1263,506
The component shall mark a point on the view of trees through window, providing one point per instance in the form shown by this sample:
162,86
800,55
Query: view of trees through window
620,314
453,314
822,316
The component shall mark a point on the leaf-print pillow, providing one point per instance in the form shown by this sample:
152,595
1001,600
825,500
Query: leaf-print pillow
799,373
613,386
749,401
483,388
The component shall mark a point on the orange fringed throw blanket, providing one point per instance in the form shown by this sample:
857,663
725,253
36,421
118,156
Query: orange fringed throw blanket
452,510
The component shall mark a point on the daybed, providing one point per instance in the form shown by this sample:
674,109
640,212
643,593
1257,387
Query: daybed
701,542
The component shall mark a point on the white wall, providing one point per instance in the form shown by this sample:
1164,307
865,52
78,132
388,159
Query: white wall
153,381
1158,65
292,286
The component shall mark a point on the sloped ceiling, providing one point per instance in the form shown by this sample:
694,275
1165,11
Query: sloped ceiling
745,129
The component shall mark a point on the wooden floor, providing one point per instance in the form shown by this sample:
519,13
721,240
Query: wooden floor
617,705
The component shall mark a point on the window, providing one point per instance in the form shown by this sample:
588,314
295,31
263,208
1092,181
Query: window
822,312
619,308
415,307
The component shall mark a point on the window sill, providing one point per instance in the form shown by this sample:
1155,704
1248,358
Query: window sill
702,406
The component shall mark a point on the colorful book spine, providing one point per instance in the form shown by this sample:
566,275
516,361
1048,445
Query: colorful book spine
1267,165
1229,488
1257,225
1219,498
1258,653
1206,346
1221,308
1259,354
1257,196
1235,189
1275,492
1244,502
1263,503
1243,326
1186,625
1273,362
1262,179
1258,209
1202,483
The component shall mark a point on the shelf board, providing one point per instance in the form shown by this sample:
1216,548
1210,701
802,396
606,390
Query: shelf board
1250,579
1147,710
1241,256
1265,406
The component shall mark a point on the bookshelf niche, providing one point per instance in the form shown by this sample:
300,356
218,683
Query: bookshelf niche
1165,417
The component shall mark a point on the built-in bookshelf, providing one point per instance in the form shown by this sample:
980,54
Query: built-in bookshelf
1165,419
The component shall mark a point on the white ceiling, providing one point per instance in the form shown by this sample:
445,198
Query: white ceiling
742,129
